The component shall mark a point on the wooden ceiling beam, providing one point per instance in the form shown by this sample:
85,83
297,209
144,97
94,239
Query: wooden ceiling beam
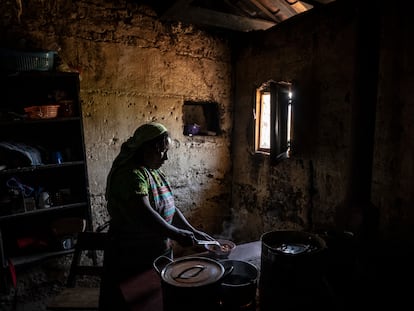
317,3
264,10
285,8
200,16
187,11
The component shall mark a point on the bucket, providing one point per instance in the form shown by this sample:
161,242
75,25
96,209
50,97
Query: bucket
291,270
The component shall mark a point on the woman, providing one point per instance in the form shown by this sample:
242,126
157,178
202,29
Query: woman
143,216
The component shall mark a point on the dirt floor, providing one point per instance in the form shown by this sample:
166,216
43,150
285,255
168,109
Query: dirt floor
37,284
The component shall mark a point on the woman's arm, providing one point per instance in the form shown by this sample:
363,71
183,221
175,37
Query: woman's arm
141,205
180,221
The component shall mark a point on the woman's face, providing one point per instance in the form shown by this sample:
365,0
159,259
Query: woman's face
156,154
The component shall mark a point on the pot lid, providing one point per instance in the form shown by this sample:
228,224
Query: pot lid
192,272
293,243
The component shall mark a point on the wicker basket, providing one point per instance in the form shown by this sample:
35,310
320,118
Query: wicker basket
42,112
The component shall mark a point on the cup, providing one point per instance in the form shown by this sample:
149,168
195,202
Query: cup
67,242
57,157
44,200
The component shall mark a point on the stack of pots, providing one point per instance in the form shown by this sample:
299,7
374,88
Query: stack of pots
238,288
206,284
291,273
190,283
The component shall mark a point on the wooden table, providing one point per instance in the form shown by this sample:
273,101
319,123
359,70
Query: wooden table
144,293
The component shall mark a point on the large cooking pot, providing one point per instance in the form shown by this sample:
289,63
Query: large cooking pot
291,275
190,283
238,288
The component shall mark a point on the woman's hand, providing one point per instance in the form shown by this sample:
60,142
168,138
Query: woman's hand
185,238
200,235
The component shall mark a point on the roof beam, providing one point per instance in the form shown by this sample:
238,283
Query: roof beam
264,10
317,3
285,8
200,16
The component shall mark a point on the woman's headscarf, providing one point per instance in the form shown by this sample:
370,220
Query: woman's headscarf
142,134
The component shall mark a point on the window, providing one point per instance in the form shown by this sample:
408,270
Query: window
273,119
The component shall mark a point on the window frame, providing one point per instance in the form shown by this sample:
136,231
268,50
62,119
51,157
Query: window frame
280,100
260,92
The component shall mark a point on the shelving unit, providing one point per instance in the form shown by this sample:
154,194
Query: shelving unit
27,232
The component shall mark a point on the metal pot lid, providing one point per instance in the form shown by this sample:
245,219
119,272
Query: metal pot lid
293,243
192,272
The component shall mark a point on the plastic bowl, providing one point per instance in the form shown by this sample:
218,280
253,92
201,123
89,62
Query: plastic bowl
191,129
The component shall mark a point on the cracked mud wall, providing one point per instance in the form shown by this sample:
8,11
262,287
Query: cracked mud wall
318,52
133,69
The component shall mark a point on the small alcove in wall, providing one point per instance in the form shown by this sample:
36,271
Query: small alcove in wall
201,118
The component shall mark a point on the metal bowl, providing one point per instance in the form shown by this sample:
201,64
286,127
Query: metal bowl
224,251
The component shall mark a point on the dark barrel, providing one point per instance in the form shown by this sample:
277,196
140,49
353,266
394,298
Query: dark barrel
291,276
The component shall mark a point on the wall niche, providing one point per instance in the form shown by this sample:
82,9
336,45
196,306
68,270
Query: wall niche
201,118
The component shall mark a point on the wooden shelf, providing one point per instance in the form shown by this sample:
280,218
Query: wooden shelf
40,167
64,186
20,121
28,259
43,211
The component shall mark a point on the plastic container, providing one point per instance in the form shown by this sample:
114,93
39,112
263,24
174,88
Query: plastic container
13,61
42,112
